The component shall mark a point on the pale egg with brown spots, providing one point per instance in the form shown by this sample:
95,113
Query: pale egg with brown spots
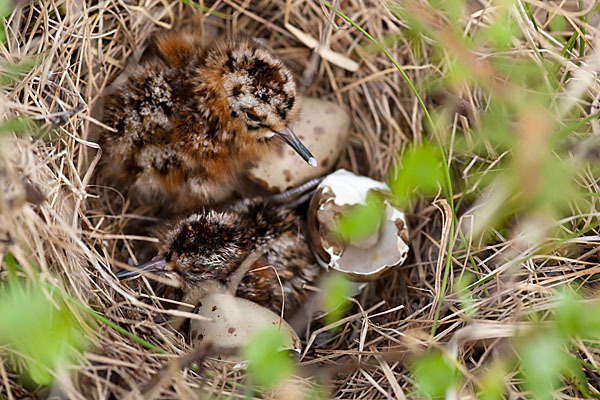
232,321
323,127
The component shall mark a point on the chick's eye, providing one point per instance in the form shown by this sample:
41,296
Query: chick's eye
195,271
253,117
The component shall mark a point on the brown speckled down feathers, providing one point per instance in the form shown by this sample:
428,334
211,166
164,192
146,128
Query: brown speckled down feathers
189,116
209,246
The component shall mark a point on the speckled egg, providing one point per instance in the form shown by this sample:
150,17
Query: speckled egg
323,128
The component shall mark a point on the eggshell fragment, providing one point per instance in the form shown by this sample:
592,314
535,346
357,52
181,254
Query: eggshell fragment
323,128
363,260
233,322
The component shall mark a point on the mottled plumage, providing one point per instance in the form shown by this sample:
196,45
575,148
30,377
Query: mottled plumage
190,116
211,245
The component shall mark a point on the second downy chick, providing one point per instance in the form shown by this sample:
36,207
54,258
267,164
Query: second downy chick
210,246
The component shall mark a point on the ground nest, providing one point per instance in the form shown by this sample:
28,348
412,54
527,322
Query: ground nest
68,229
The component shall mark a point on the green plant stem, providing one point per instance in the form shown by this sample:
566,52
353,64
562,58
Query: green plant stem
116,327
109,323
566,131
204,9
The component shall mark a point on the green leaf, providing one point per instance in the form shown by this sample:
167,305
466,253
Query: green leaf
569,319
268,365
361,221
18,126
570,44
335,290
434,374
420,170
38,325
12,72
555,173
572,369
492,383
502,33
568,315
558,23
5,8
542,359
464,295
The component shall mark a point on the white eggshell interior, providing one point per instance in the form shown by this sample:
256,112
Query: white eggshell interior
388,250
348,188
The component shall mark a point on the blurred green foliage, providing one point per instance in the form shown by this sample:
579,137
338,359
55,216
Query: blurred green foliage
525,126
360,221
38,326
434,374
522,117
19,126
461,287
268,363
546,353
558,23
420,170
543,355
542,359
5,9
492,383
14,72
335,290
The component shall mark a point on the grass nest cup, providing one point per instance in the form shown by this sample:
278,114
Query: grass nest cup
64,232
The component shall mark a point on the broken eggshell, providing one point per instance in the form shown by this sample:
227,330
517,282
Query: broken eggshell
234,321
363,260
322,126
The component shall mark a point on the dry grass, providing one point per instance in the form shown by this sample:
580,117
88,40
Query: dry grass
77,233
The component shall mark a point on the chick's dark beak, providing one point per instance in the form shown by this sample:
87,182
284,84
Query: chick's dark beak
292,140
157,264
